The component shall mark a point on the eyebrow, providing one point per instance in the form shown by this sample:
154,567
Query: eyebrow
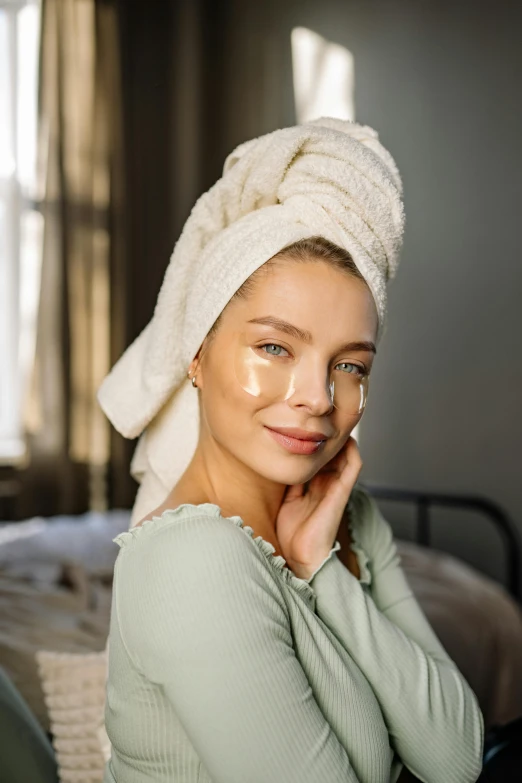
306,336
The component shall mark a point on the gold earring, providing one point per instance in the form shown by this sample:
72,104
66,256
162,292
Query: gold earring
194,381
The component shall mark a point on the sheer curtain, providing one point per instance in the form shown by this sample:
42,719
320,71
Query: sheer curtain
139,106
20,222
80,158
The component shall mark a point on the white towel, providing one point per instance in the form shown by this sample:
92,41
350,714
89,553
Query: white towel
329,177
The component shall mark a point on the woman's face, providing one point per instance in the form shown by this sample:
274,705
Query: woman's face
257,377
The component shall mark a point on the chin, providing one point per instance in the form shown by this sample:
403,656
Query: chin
285,474
289,469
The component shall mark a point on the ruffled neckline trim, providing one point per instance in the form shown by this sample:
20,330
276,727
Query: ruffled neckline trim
170,516
301,586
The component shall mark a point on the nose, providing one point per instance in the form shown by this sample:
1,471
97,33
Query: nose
310,388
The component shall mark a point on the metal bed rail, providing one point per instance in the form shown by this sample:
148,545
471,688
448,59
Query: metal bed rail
425,501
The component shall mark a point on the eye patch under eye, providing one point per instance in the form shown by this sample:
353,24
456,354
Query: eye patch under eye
274,375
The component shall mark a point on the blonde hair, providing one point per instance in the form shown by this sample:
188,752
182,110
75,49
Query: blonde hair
314,248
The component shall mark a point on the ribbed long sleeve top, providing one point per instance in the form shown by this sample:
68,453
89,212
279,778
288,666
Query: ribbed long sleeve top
225,667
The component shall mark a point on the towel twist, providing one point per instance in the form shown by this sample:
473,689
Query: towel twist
328,177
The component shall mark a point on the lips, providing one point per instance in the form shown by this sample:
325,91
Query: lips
297,445
295,432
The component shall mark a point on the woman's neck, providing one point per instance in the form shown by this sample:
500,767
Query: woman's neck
215,476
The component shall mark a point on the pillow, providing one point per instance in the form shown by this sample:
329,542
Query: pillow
74,694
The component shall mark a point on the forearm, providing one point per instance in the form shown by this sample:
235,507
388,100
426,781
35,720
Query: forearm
432,715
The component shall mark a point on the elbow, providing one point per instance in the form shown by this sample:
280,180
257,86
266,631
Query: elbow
459,728
477,743
466,760
472,732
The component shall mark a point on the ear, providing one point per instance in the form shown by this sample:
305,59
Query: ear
194,364
196,361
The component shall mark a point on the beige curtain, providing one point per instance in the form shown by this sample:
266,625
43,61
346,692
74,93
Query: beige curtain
197,77
80,166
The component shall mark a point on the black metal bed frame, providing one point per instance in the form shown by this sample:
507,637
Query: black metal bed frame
424,501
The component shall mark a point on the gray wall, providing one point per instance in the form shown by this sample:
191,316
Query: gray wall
441,83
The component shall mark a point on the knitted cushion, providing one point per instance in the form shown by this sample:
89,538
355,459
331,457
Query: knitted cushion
74,693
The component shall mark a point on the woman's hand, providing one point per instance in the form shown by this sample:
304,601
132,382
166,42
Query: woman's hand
308,521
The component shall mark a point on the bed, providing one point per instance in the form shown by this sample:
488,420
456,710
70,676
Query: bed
55,594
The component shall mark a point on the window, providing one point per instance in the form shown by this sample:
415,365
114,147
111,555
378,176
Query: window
20,222
323,76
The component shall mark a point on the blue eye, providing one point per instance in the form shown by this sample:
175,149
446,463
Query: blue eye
272,345
357,369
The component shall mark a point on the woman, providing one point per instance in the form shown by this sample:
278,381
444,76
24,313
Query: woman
262,628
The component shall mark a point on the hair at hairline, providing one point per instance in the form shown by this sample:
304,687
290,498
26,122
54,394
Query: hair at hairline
314,248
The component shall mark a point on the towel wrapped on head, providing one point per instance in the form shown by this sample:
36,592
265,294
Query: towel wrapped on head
330,178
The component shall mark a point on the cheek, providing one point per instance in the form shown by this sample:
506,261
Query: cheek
229,409
344,425
349,424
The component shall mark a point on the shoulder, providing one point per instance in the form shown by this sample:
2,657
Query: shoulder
185,532
181,577
190,545
171,520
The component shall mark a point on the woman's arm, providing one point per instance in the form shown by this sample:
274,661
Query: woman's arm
432,714
390,589
202,617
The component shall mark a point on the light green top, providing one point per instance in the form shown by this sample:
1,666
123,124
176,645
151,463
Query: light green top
225,667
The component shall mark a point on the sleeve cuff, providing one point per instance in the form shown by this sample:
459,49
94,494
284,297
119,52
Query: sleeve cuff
328,557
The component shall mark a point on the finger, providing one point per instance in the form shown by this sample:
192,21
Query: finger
340,489
334,501
335,464
353,465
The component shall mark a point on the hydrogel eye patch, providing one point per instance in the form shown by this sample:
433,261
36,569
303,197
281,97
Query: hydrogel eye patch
271,374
